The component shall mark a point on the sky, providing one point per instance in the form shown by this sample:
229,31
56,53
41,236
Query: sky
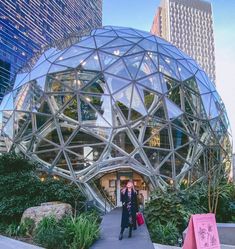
139,14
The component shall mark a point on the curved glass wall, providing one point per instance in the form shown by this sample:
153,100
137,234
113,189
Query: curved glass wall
118,98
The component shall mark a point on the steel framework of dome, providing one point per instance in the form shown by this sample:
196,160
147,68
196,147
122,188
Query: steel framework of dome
118,98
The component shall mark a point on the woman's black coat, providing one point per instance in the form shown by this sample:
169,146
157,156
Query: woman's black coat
134,208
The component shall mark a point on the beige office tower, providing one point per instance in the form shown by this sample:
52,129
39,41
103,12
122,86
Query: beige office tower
188,24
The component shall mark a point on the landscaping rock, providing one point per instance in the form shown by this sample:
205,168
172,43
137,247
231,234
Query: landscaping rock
59,210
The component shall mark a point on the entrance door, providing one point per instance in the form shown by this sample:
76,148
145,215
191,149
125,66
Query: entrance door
122,179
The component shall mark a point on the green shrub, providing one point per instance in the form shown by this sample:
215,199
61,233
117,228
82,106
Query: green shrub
85,232
167,234
49,234
167,207
73,233
12,230
21,188
26,227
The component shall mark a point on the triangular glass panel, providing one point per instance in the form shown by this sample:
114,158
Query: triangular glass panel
59,101
172,51
192,84
156,156
184,72
78,163
148,45
168,67
117,43
106,33
90,116
8,102
115,83
159,138
100,103
56,68
21,121
206,99
147,67
135,49
179,137
107,59
87,43
138,157
40,83
41,119
53,136
160,112
43,108
184,151
137,103
103,132
71,109
189,109
122,140
202,88
117,51
148,97
116,153
92,63
54,85
102,40
175,95
133,63
74,61
97,86
47,156
155,59
153,82
153,127
119,69
61,163
81,139
180,165
172,109
167,168
45,145
164,52
134,115
72,52
123,99
8,127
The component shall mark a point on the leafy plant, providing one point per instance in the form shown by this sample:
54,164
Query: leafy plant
70,232
26,227
12,230
165,207
164,234
49,234
21,188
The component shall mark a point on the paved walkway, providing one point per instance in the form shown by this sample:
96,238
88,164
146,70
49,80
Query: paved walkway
7,243
110,229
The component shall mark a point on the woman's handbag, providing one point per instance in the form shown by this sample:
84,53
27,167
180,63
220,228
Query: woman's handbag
140,219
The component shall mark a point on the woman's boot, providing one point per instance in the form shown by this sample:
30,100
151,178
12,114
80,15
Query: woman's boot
130,232
121,234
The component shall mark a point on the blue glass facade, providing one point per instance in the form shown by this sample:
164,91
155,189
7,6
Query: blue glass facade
28,25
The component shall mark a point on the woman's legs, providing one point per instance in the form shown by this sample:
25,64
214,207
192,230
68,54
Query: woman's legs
121,233
130,231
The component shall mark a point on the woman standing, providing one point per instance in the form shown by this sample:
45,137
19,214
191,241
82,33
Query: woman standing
129,208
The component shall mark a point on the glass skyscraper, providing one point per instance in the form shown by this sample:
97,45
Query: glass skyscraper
28,25
188,24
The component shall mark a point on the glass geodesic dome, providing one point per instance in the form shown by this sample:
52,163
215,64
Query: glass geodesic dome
118,98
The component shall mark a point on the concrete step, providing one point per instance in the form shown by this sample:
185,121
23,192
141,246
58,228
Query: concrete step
7,243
